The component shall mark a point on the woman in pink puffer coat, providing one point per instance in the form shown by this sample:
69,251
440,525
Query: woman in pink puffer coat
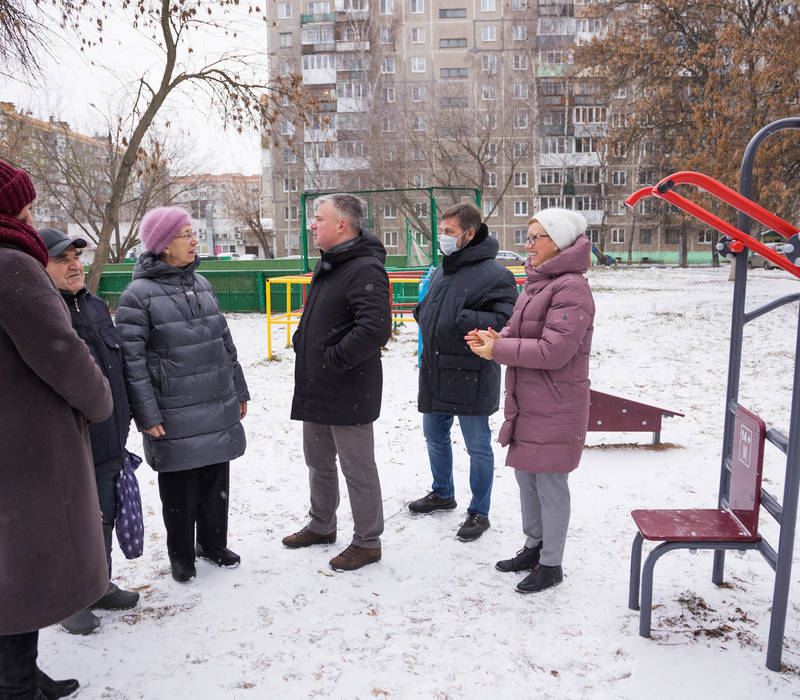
545,347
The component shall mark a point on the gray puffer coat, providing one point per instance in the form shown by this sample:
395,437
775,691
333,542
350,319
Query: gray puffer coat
181,367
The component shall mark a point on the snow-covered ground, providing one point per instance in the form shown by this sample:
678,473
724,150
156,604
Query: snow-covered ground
434,619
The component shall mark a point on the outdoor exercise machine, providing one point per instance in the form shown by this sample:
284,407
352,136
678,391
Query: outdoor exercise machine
734,523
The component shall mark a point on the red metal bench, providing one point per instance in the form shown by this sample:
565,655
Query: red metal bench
734,527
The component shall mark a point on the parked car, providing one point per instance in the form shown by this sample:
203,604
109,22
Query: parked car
755,260
510,258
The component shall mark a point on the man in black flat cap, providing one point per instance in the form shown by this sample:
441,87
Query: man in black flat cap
92,322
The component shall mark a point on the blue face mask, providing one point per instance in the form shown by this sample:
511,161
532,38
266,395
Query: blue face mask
449,245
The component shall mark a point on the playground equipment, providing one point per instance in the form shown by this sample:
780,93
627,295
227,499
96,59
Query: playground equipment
603,259
609,413
734,525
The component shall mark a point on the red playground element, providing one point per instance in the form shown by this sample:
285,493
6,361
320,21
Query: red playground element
666,190
732,527
607,412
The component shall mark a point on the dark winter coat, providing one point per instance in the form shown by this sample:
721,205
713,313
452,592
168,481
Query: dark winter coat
92,321
347,318
181,367
545,348
469,290
52,556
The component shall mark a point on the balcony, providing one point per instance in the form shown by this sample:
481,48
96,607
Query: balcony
318,18
352,46
352,15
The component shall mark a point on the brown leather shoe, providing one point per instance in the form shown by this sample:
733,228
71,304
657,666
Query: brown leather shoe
305,538
354,558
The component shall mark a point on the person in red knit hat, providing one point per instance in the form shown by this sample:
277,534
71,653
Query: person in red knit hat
54,561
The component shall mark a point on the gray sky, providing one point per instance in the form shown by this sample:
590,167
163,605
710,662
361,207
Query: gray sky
71,83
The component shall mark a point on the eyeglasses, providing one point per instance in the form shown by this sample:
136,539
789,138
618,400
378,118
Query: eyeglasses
535,236
186,235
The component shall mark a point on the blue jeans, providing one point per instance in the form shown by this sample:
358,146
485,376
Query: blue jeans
478,440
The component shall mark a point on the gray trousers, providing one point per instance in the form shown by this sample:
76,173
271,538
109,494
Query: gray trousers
355,446
545,513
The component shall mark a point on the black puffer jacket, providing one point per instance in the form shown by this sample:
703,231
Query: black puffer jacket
469,290
92,321
338,377
181,367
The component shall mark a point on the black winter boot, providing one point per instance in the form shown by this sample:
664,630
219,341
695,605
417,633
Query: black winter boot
524,560
116,599
55,689
181,571
430,503
540,578
221,556
18,654
473,527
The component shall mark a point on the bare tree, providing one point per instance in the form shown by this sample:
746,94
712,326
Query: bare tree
246,211
176,27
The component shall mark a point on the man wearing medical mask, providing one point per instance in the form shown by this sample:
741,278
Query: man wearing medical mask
470,289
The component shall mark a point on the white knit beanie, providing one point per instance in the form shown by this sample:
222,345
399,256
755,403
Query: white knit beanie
564,226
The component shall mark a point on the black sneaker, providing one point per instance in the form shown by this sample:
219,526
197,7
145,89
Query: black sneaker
473,527
221,556
181,571
117,599
430,503
524,560
83,622
540,578
55,689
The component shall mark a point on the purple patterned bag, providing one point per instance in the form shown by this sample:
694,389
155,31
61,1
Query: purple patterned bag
130,522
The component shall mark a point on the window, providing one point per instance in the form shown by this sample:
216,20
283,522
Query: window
647,177
619,177
521,179
620,149
419,94
648,148
488,206
518,5
285,40
488,32
387,65
519,32
618,235
520,236
520,91
417,35
417,7
351,149
490,180
385,36
354,89
489,63
389,211
284,10
521,120
489,119
488,5
519,61
488,92
452,14
520,149
646,236
593,234
387,7
589,176
452,43
390,239
417,154
705,237
284,68
317,60
317,8
621,93
388,125
618,208
388,94
290,213
287,128
550,176
418,181
586,144
418,122
455,102
453,73
589,115
547,202
290,184
418,64
521,207
555,56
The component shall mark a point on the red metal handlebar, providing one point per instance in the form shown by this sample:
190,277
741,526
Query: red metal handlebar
665,190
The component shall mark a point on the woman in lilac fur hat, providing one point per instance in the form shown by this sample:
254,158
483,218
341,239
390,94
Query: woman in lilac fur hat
186,389
545,346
